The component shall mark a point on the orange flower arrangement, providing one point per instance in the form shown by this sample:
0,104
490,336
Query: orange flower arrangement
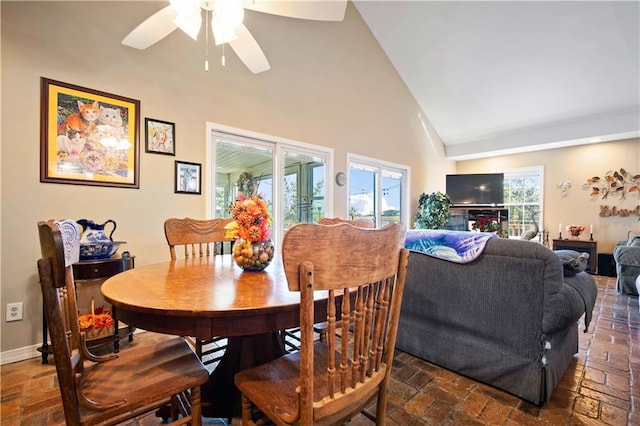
251,218
100,318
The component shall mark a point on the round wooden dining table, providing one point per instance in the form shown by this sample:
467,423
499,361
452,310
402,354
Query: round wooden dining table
205,297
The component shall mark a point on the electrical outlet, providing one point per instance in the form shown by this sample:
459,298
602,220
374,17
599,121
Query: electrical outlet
14,311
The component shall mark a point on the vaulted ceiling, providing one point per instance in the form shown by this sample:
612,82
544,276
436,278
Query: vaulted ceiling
497,77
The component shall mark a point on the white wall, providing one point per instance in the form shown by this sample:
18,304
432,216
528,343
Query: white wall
330,85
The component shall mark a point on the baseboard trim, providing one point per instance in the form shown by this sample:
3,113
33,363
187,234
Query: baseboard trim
28,352
19,354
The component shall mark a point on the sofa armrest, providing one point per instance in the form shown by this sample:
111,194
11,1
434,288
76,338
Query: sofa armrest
577,297
627,255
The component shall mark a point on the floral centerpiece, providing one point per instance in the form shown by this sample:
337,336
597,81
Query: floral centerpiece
253,250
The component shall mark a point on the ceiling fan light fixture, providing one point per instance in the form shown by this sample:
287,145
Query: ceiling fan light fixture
190,24
228,13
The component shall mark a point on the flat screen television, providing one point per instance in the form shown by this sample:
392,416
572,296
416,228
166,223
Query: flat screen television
483,189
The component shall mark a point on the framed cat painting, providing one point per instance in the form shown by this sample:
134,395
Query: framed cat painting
88,137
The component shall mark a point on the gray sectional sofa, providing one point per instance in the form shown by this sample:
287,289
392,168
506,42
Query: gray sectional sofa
508,319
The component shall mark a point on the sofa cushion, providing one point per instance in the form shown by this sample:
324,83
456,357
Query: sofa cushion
572,261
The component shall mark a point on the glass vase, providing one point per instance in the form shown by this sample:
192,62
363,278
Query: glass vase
253,255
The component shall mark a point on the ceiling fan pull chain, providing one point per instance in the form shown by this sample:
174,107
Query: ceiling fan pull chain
225,18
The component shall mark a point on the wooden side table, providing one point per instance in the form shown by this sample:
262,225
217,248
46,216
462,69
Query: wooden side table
88,278
581,246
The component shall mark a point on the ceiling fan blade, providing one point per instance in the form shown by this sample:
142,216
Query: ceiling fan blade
153,29
248,50
328,10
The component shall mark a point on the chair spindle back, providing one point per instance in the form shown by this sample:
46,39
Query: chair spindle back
199,237
363,271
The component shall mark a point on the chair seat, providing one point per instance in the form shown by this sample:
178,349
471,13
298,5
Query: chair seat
145,374
273,387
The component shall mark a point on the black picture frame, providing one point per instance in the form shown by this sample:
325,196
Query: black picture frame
160,136
188,177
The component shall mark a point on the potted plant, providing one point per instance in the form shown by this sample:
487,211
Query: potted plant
433,210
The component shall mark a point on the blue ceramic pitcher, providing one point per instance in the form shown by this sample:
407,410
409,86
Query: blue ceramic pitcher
93,233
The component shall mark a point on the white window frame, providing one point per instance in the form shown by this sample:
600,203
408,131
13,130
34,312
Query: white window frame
523,172
379,165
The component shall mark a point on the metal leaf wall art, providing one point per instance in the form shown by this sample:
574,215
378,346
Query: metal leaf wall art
614,183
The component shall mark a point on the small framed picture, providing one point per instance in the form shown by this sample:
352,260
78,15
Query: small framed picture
160,136
188,178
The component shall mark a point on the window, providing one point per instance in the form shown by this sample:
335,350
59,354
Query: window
523,199
291,176
378,190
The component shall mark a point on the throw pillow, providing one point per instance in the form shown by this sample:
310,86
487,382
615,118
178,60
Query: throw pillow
572,261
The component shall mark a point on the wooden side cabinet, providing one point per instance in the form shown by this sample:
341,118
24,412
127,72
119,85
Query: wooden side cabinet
88,278
581,246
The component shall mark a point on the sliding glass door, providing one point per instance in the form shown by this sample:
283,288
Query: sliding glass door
242,168
290,176
304,185
378,191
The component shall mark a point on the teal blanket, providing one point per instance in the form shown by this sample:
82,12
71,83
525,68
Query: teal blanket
455,246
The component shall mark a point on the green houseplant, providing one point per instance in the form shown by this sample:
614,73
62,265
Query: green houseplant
433,210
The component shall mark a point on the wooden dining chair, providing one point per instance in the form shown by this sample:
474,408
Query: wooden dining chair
291,336
109,389
363,273
199,238
360,222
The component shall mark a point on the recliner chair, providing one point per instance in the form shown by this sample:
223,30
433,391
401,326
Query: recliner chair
627,257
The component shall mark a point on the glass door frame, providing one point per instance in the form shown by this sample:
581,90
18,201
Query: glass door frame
280,145
380,165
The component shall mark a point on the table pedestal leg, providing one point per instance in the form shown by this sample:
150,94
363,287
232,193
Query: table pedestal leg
219,396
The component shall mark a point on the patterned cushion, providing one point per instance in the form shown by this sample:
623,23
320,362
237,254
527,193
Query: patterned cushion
572,261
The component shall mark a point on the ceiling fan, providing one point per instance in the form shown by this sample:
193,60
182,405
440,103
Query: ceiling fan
225,17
